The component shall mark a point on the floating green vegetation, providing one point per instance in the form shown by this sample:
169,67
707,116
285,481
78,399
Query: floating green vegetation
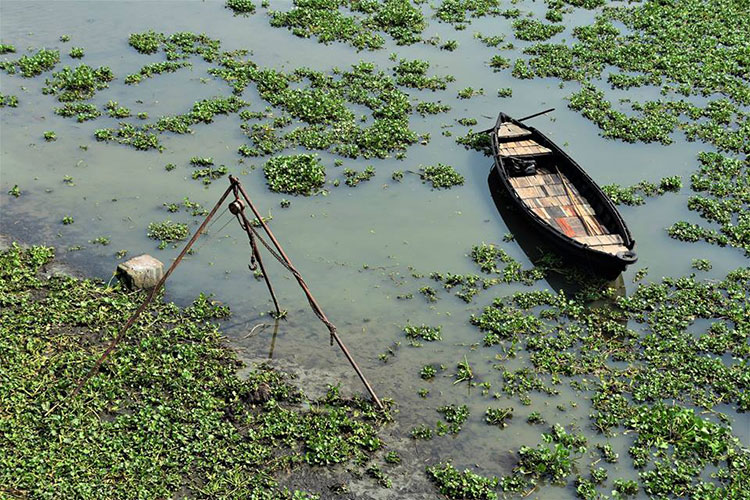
423,332
101,240
67,220
632,195
431,108
455,415
414,74
701,264
296,174
353,177
50,136
6,48
498,62
533,30
469,92
427,372
30,66
115,110
498,416
462,485
241,7
460,12
724,187
422,431
657,48
8,100
15,191
319,100
167,232
78,84
149,70
76,52
174,370
82,111
505,92
441,176
325,20
180,45
467,122
142,137
490,40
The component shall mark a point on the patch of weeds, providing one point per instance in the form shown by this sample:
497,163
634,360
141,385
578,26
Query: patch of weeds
431,108
450,45
455,416
429,293
427,372
413,74
397,175
421,431
15,191
78,84
632,195
241,7
6,48
67,220
31,66
441,176
10,101
467,485
116,111
353,177
498,62
50,136
392,458
82,111
467,122
76,52
464,373
101,240
301,174
533,30
498,416
469,92
459,12
167,232
177,363
423,332
625,488
723,186
702,264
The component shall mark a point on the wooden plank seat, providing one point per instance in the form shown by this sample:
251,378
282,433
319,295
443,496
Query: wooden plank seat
510,130
525,147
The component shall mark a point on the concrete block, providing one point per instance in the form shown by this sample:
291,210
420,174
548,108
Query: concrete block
142,272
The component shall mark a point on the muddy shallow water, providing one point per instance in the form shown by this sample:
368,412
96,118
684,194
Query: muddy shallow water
356,247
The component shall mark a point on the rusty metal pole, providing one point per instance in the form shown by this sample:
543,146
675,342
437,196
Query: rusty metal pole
151,295
316,307
238,209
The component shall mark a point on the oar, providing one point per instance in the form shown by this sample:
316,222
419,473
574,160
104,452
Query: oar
521,119
536,114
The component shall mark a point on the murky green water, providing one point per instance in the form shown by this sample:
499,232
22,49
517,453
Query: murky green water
355,246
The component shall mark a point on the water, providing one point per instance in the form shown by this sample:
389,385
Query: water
355,247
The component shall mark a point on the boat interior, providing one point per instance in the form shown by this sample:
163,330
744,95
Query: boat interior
550,191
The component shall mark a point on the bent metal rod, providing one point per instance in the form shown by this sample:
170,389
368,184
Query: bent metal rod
237,208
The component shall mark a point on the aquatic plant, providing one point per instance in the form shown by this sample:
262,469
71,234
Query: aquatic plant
630,195
455,415
467,485
76,52
78,84
427,372
414,74
431,108
177,372
533,30
8,100
460,12
6,48
441,176
82,111
168,231
67,220
498,416
31,66
353,177
15,191
241,7
297,174
50,136
723,183
423,332
115,110
469,92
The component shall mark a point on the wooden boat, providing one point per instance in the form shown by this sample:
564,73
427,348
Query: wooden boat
566,206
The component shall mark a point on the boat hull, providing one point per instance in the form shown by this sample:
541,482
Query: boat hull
598,262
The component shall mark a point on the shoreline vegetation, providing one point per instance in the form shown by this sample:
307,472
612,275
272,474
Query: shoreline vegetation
167,414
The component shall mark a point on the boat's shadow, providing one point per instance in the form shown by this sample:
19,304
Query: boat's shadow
563,275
